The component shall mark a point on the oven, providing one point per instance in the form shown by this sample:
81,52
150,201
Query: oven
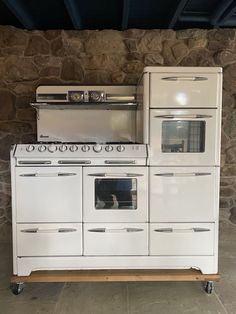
115,194
184,137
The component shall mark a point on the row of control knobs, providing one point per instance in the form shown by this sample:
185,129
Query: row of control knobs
73,148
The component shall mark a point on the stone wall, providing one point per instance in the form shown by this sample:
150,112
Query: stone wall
31,58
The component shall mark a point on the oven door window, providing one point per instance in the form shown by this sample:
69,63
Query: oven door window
116,194
183,136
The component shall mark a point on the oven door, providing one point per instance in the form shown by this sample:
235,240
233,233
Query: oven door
184,137
48,194
115,194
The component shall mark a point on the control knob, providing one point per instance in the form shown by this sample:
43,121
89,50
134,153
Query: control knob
85,148
73,148
42,148
109,148
62,148
120,148
52,148
30,148
97,148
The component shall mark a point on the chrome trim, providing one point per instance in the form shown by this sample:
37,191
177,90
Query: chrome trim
36,162
171,230
37,230
66,174
190,174
117,162
185,78
74,162
119,230
129,175
183,116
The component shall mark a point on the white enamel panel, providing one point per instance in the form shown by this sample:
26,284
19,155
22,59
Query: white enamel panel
183,194
182,239
48,194
91,214
115,239
211,154
49,239
185,90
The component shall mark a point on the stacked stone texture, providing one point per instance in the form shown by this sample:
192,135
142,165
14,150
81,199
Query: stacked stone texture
31,58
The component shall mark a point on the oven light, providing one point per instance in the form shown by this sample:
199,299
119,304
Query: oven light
181,99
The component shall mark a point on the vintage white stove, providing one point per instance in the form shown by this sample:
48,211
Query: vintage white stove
122,177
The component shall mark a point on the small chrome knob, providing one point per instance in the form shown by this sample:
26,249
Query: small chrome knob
97,148
62,148
120,148
52,148
73,148
30,148
85,148
109,148
42,148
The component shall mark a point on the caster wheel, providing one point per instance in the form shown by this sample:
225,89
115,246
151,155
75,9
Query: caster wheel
209,287
17,288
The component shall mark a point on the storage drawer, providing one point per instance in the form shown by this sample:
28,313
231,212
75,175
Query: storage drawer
184,90
183,194
182,239
49,239
115,239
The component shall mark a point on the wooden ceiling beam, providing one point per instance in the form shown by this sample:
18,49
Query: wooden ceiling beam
219,11
176,13
125,14
74,13
21,13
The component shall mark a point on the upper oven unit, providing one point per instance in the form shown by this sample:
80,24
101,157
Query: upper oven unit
184,87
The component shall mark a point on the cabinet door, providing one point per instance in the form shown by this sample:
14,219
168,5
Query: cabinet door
185,90
48,194
183,194
182,239
49,239
115,239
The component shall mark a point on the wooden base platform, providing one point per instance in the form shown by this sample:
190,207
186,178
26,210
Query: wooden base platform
115,276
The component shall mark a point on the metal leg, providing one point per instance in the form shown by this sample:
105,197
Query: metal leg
17,288
209,287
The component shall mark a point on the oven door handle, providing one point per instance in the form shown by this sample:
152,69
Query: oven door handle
116,230
58,230
129,175
190,230
34,162
74,162
50,175
187,174
183,116
184,78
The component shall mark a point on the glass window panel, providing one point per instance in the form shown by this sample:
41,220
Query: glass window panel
183,136
116,193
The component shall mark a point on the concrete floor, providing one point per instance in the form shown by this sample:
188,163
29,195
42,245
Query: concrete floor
122,298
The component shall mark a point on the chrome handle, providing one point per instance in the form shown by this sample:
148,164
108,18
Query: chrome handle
34,162
184,116
130,175
187,174
37,230
116,97
118,230
117,162
59,174
185,78
191,230
74,162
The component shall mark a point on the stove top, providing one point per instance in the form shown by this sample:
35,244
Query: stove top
79,150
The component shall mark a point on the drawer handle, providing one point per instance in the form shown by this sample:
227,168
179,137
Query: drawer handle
185,78
37,230
74,162
191,230
183,116
59,174
34,162
130,175
117,162
187,174
121,230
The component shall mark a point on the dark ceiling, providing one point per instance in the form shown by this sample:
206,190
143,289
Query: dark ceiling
117,14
